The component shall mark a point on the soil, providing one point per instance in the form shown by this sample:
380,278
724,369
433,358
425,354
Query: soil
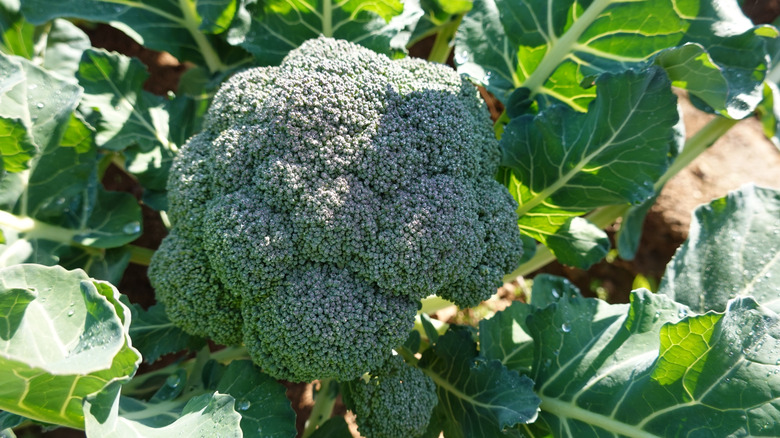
742,156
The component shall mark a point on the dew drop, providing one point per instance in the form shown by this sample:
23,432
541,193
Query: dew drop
243,405
40,105
462,57
565,327
656,316
555,294
71,312
132,228
173,381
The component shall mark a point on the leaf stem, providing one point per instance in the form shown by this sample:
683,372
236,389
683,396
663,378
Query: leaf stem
140,255
327,18
35,229
440,52
191,22
604,216
324,401
560,48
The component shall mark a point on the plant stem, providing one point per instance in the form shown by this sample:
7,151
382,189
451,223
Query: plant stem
440,52
191,22
323,406
140,255
604,216
35,229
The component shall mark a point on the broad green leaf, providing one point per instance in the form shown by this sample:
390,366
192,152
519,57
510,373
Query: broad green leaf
478,396
271,29
652,369
42,102
578,243
173,26
154,334
563,163
205,415
260,400
216,15
16,145
733,249
256,399
13,304
548,289
55,46
113,86
630,232
72,341
55,206
17,34
504,337
553,49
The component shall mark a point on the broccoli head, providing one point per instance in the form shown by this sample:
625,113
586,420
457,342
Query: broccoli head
394,402
323,199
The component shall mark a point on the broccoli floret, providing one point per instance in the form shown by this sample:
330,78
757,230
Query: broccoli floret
394,402
325,324
343,180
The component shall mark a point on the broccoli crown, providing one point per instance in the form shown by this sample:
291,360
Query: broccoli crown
395,402
373,176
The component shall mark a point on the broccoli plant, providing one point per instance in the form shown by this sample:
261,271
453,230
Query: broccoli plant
323,200
311,194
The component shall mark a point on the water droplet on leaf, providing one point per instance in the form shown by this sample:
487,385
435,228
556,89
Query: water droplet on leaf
566,327
132,228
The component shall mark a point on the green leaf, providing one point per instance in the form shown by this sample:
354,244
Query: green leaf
113,86
169,25
16,145
578,243
204,415
216,15
554,49
270,29
335,427
504,337
154,334
72,341
13,304
564,163
17,34
732,250
769,113
478,396
649,369
53,208
55,46
548,289
260,400
41,101
435,14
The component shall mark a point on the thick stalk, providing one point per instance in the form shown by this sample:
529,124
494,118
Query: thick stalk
442,45
604,216
323,406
